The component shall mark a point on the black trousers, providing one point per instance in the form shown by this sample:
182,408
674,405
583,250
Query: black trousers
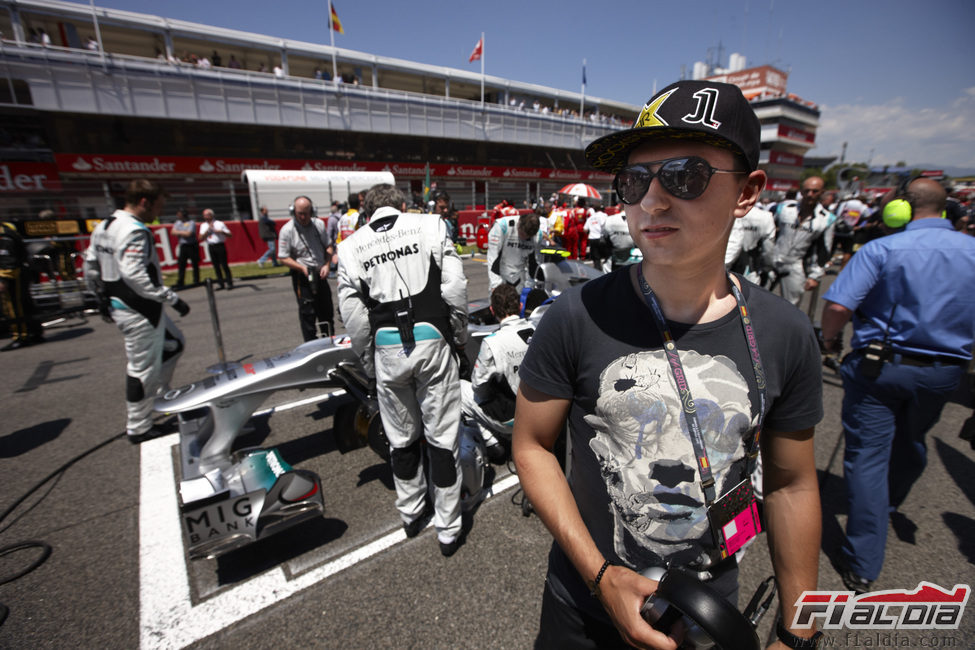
218,256
191,253
314,306
598,251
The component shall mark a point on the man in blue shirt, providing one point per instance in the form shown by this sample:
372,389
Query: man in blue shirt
913,325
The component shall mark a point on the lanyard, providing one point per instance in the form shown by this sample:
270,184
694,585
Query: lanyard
684,391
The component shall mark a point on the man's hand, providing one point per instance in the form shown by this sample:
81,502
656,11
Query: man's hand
323,271
623,592
181,307
810,284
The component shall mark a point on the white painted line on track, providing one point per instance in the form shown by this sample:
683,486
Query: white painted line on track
167,617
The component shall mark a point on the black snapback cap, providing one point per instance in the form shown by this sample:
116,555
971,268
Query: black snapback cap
706,111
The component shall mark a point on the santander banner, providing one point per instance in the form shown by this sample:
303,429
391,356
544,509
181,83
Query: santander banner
154,166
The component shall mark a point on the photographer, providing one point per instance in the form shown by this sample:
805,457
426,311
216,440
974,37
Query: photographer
305,248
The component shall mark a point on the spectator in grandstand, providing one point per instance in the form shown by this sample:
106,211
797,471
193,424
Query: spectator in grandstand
188,247
233,63
215,232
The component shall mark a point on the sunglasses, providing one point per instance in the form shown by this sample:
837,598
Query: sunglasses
684,178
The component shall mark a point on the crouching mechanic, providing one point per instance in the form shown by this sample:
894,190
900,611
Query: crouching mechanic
489,398
513,244
122,268
403,298
672,374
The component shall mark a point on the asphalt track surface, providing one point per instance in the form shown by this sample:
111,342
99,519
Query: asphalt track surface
118,576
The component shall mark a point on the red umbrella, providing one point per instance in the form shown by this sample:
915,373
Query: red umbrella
581,189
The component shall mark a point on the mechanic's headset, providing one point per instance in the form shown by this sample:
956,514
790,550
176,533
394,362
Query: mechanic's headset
291,208
898,211
708,618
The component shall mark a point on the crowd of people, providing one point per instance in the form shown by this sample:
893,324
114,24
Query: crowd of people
689,389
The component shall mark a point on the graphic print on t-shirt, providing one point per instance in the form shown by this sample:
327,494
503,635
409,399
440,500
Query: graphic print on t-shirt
644,449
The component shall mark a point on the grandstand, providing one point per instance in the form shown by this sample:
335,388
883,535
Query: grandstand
116,94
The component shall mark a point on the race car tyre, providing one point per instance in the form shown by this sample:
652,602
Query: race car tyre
344,431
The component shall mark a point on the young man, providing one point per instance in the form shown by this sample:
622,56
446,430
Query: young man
121,265
638,358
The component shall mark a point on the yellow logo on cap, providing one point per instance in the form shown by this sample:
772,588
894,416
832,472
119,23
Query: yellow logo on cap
649,117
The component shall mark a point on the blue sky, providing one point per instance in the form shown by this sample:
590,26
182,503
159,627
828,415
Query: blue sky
895,79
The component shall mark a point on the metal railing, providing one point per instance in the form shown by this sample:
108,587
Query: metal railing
85,81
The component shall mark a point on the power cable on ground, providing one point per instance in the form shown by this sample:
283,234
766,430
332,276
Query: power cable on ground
43,546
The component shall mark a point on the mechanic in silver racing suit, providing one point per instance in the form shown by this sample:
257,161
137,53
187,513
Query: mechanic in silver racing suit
805,232
122,268
513,245
403,299
489,397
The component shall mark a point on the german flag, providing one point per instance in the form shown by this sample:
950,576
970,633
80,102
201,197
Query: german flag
336,23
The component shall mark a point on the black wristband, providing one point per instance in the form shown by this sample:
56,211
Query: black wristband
793,641
599,576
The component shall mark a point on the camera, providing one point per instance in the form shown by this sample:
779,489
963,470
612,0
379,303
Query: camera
313,278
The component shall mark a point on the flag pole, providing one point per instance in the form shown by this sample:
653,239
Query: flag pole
331,39
582,103
482,69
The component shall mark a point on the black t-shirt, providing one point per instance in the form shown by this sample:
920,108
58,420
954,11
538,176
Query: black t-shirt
633,470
